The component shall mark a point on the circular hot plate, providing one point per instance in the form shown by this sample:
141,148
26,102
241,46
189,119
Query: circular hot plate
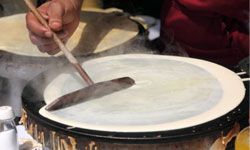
172,97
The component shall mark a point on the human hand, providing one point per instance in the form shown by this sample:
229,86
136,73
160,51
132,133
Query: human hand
63,18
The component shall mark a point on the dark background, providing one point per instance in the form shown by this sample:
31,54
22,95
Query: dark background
136,7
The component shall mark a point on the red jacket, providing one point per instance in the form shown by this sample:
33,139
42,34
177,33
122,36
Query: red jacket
215,30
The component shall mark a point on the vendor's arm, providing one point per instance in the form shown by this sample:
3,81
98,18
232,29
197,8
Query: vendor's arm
63,17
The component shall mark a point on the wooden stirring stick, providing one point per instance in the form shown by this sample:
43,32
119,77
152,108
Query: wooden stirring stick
61,45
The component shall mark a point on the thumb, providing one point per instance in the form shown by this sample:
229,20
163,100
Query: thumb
55,13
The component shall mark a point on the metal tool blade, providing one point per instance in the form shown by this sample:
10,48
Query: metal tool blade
91,92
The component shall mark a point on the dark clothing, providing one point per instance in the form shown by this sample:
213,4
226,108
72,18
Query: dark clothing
215,30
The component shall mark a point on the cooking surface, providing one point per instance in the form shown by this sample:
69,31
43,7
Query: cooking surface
95,33
170,93
234,115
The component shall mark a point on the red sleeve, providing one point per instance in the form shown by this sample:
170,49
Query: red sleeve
208,28
231,8
240,41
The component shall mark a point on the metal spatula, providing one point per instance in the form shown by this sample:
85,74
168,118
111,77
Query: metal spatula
93,90
90,92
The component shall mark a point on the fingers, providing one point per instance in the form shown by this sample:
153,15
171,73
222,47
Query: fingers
35,26
55,51
38,40
55,13
47,48
61,17
51,48
47,44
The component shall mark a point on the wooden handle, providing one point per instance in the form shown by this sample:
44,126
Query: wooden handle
61,45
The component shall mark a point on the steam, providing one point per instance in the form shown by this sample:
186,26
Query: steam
20,69
16,71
